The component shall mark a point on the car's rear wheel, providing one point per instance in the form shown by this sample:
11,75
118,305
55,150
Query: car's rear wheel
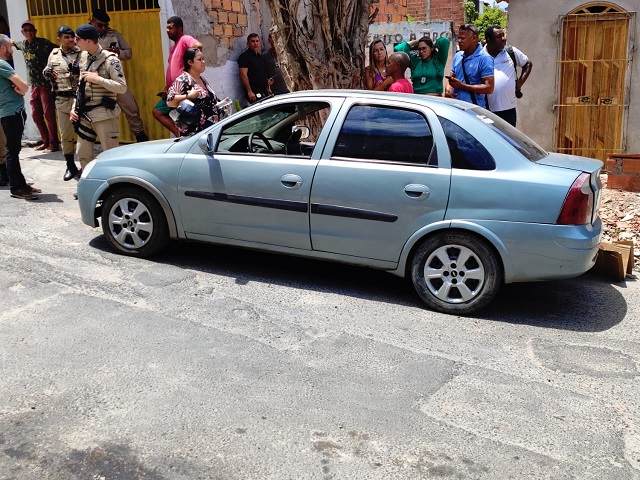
133,222
456,273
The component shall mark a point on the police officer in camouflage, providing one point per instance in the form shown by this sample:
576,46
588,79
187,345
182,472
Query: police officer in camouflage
63,70
101,80
112,41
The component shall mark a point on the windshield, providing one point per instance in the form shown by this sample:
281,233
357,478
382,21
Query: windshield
527,147
262,120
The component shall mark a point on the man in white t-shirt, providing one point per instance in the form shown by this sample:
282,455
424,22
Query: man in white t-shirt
502,101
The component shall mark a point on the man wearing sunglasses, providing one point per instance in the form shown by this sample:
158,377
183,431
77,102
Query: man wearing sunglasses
112,41
36,52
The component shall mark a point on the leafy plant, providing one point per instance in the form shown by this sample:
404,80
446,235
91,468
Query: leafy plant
470,12
410,17
490,16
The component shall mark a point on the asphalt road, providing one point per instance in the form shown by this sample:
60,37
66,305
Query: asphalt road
216,363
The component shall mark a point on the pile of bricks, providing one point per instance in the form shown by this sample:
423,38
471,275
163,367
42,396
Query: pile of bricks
620,215
623,172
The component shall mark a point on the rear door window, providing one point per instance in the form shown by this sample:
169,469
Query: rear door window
466,151
386,134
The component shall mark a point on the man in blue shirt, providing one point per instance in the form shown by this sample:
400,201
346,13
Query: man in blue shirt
12,118
471,69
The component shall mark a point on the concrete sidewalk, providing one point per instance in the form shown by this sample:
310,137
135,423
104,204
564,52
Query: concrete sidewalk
45,171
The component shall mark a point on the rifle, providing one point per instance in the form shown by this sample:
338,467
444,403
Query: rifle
81,100
84,132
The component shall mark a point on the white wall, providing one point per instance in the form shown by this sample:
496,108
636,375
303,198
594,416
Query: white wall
534,29
16,15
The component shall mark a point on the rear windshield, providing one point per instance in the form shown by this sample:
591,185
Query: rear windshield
527,147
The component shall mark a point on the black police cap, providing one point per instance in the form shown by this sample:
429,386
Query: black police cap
87,32
100,14
65,30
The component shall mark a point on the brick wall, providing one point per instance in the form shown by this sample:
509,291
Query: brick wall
398,11
449,10
228,19
417,9
390,10
623,172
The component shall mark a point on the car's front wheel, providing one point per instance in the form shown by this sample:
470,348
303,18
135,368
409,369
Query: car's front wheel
133,222
456,273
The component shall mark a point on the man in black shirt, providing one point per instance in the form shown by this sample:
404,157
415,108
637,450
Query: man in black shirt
253,70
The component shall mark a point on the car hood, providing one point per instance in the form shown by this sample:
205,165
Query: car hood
572,162
155,147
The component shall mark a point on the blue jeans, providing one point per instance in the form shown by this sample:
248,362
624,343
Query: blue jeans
13,127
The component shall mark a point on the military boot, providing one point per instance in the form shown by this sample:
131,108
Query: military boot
72,170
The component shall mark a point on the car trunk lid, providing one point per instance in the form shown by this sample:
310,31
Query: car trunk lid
580,164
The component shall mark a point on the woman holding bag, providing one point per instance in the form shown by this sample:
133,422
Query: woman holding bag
190,85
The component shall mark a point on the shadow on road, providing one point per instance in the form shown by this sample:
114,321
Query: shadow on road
48,198
587,303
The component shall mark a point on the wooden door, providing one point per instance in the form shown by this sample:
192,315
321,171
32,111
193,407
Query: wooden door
139,23
593,79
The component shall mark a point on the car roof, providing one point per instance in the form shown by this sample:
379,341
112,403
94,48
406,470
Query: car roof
372,94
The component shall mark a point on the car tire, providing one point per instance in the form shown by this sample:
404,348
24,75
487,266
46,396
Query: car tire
133,223
448,286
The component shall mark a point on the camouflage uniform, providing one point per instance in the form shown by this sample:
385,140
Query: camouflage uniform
42,105
104,120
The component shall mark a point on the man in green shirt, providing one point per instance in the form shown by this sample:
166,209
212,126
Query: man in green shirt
12,118
36,52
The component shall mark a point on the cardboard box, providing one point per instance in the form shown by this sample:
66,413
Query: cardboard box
615,260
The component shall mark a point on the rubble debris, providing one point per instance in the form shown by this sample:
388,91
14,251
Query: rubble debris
620,215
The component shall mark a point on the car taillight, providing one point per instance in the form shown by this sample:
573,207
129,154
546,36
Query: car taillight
578,205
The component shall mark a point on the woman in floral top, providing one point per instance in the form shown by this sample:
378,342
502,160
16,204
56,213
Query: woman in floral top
190,85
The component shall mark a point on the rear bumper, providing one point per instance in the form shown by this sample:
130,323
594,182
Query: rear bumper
534,252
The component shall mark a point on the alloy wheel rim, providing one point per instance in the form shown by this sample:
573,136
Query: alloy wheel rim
454,274
130,223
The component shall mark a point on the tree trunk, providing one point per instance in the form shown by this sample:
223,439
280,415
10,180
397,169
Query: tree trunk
321,43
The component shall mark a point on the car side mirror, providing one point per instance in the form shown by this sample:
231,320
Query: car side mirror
205,142
305,131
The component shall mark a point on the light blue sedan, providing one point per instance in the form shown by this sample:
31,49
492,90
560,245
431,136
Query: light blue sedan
437,190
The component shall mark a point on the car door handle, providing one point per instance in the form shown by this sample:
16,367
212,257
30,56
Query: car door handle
416,192
291,181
